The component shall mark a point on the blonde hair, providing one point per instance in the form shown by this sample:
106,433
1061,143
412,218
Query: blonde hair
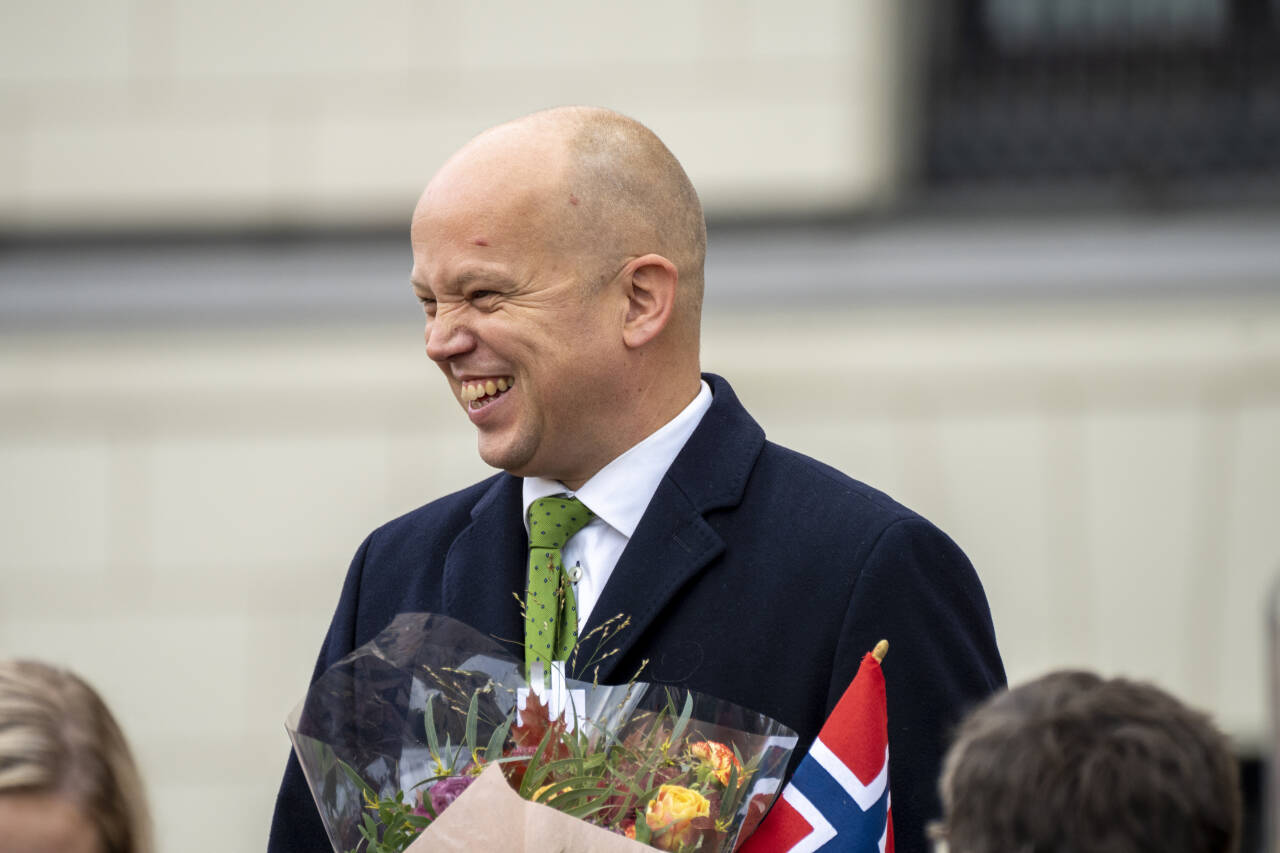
58,737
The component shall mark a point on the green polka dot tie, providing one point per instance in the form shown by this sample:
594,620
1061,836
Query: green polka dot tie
550,607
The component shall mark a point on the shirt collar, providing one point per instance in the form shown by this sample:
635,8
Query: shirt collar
620,492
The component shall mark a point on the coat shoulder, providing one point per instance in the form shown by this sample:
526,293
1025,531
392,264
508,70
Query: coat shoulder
443,516
815,485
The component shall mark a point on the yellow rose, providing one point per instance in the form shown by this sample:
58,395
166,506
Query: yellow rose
670,814
719,756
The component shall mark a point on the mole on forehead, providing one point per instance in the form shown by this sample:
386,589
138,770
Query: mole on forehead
479,241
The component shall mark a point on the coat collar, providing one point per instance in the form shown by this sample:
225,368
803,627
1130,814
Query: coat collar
485,568
673,541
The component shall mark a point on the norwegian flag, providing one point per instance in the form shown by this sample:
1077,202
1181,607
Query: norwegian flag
838,798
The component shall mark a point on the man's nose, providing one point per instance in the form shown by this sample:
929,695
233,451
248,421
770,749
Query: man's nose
446,336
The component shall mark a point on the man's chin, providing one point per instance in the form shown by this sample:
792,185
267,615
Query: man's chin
504,457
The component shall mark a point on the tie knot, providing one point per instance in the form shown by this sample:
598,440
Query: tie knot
553,520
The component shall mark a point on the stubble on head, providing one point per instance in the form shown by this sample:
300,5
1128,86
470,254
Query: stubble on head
618,193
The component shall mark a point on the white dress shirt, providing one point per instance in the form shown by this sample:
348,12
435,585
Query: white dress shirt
618,494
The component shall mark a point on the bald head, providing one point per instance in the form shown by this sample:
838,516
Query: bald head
630,182
605,186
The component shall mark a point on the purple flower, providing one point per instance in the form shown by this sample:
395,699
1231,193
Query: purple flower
446,791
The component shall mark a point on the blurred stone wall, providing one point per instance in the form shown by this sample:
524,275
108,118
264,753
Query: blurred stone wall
185,113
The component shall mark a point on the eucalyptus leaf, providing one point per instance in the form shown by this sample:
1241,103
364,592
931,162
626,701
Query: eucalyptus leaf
429,719
683,722
473,711
499,737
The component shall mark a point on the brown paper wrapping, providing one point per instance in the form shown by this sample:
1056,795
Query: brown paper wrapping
490,817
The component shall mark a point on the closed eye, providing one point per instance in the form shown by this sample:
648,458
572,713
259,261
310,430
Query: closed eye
484,297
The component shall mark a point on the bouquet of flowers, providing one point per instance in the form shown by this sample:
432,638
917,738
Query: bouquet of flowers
430,731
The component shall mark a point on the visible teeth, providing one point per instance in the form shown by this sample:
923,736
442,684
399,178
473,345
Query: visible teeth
488,388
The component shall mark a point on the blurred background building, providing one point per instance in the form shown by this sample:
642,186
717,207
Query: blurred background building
1016,262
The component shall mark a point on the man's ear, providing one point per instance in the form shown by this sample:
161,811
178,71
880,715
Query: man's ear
650,282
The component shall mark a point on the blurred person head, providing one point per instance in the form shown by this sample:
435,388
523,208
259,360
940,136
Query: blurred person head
559,261
67,780
1074,763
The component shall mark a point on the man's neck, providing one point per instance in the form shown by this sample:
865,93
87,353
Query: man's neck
663,403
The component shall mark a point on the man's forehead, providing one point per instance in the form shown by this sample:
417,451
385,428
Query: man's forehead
500,213
486,192
504,156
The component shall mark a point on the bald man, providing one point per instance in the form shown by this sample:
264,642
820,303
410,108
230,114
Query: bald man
559,262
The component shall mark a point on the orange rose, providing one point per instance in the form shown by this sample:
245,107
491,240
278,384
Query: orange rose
719,757
671,813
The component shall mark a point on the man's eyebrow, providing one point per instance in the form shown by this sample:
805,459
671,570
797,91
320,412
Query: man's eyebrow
462,279
469,276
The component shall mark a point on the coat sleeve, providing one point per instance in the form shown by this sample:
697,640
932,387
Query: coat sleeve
296,825
917,590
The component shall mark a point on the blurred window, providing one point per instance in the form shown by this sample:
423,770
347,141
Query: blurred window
1162,98
1059,23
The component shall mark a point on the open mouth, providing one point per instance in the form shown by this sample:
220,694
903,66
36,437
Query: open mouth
479,393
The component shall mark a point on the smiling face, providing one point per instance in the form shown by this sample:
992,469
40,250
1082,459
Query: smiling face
524,321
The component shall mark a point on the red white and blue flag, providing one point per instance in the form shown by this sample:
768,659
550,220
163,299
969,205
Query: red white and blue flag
838,799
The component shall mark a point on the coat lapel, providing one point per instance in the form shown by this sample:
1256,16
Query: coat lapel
673,542
484,571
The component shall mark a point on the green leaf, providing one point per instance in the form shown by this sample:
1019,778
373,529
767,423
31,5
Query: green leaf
732,793
582,795
499,737
552,770
683,722
643,834
433,742
537,772
358,779
472,712
576,746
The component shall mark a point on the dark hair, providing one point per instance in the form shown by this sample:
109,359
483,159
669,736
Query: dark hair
1073,763
57,737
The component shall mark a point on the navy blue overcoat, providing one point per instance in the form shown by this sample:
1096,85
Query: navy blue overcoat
757,575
